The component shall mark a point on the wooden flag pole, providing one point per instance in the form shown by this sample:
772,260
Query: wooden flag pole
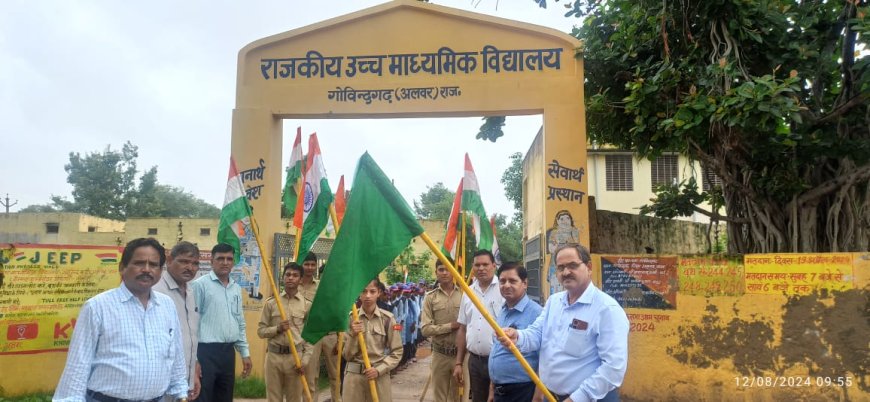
474,300
355,314
277,297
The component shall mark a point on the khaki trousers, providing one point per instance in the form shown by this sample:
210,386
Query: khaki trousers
356,388
324,348
281,379
444,386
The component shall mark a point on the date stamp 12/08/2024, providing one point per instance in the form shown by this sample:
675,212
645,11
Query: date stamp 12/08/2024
792,381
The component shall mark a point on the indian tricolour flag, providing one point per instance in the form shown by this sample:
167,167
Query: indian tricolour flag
471,202
450,246
294,176
236,213
312,208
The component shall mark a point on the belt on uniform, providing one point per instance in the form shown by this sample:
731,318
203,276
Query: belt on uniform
444,350
281,350
354,368
475,355
101,397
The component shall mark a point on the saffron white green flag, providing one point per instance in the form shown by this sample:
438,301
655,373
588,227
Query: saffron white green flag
312,208
450,245
235,214
294,176
471,202
495,251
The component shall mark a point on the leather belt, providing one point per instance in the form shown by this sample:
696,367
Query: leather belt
281,350
101,397
475,355
354,368
559,397
505,389
444,350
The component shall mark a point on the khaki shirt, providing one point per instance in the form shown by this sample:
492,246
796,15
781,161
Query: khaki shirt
308,291
383,337
440,310
296,308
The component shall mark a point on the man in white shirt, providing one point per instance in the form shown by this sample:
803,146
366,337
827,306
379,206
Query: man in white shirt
474,334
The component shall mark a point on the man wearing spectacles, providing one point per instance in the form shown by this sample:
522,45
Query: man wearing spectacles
582,334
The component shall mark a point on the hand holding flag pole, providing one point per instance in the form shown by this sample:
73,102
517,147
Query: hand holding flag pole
277,296
457,277
373,386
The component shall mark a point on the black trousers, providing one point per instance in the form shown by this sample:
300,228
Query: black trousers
218,364
478,375
515,392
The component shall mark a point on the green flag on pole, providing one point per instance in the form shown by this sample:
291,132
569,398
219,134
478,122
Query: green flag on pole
377,226
294,177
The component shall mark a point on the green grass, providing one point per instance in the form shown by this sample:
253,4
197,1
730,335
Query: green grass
34,397
250,388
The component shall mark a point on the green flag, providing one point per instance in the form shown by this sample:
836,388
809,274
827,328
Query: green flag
294,177
377,226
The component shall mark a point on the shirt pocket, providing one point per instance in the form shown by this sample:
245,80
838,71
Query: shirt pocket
577,342
165,342
236,305
297,320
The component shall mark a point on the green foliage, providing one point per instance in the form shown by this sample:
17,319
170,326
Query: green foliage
492,128
510,238
34,397
512,179
250,388
771,96
435,203
104,185
420,267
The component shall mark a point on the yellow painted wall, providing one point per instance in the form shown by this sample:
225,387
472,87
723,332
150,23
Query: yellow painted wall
711,347
72,229
168,231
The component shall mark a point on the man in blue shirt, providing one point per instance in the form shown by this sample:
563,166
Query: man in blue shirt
509,382
126,344
582,334
221,327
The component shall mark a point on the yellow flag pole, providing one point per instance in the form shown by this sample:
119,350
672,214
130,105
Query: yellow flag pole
355,314
462,241
471,296
277,297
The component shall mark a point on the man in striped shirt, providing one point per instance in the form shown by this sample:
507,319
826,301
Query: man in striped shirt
221,327
126,345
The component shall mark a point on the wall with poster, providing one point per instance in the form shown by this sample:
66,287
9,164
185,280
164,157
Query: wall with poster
43,289
765,327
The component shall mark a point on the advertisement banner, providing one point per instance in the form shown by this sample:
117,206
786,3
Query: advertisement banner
43,289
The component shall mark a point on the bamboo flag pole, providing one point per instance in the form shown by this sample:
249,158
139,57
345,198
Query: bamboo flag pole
277,296
462,241
471,296
355,314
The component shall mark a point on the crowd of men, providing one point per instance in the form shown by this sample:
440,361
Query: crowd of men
164,335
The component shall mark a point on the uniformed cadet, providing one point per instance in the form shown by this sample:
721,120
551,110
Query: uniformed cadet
384,346
440,310
326,346
282,375
409,327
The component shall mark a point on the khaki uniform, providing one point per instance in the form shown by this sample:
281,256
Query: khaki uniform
383,337
324,347
440,310
281,378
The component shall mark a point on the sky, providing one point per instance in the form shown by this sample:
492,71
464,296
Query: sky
81,76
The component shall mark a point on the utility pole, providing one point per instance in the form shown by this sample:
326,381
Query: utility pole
7,204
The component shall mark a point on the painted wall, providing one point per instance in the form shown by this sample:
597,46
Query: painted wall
73,228
623,233
752,347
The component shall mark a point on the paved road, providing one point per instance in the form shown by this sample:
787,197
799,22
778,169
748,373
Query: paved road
407,384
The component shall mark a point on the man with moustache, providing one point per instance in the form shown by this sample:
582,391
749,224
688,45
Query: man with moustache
474,333
181,268
126,345
221,327
582,334
282,374
438,322
510,383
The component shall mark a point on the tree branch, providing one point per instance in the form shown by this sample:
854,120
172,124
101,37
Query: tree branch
860,174
841,110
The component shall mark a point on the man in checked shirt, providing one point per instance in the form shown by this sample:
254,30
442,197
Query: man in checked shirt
126,345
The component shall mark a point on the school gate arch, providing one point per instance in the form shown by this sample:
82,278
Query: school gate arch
413,59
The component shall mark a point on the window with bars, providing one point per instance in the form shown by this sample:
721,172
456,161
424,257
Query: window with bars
664,170
618,172
711,180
